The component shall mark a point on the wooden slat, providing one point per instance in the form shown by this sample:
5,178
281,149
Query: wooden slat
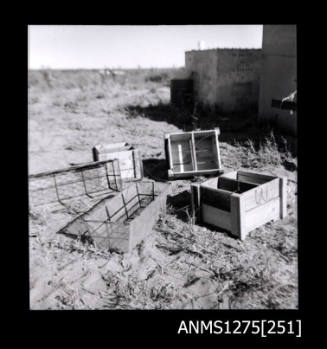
173,174
206,157
112,147
232,175
262,214
217,132
211,183
138,164
255,178
180,137
181,154
216,217
196,202
236,216
180,157
261,194
234,185
170,157
194,157
199,156
283,196
216,198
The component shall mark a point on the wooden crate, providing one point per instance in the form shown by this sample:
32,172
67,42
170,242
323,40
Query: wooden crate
193,153
121,222
239,201
130,162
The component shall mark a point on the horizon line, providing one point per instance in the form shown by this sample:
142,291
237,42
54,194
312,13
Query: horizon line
111,68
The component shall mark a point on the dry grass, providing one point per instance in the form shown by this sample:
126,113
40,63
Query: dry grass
181,265
267,152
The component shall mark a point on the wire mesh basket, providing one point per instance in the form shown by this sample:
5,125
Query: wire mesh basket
114,223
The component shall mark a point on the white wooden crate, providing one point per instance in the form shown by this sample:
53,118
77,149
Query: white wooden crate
239,201
193,153
130,161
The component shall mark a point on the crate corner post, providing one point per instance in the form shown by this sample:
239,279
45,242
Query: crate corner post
196,202
167,147
138,164
95,153
237,216
283,196
217,132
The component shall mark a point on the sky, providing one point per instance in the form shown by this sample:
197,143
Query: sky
155,46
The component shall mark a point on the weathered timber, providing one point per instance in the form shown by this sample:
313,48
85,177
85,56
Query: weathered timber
193,153
130,162
240,201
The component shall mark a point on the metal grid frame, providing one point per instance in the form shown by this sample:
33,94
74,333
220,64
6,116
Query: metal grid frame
89,179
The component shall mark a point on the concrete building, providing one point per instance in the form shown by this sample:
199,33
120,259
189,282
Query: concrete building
279,74
226,80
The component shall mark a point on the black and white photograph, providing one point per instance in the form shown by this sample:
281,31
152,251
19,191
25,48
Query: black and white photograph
162,167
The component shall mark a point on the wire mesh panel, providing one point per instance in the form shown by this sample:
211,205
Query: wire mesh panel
90,179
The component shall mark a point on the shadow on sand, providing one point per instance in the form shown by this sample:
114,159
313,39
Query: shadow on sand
236,127
155,169
180,205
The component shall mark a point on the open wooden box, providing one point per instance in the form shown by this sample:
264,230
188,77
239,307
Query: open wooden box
130,163
239,201
193,153
121,222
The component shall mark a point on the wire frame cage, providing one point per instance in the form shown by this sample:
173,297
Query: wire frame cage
89,180
120,222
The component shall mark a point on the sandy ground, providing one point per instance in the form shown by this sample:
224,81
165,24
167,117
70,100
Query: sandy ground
180,265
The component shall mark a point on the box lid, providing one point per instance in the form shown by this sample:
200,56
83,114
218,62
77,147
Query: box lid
113,147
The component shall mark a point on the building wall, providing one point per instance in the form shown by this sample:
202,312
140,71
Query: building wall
238,80
226,79
202,66
279,73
